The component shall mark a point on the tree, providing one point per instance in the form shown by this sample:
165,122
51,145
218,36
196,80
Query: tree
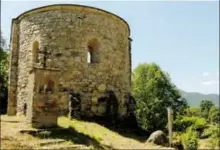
3,76
205,106
154,92
214,115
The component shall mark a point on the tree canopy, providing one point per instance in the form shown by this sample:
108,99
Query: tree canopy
205,106
3,76
154,92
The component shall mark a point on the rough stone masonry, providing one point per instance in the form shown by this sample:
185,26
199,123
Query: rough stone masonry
59,49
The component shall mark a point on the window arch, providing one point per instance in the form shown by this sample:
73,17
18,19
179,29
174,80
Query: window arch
93,54
35,51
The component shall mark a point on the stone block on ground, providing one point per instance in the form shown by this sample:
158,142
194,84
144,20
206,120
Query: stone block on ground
158,137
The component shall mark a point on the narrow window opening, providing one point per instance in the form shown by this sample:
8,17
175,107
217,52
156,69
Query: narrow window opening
89,53
93,51
25,109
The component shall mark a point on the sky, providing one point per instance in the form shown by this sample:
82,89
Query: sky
182,37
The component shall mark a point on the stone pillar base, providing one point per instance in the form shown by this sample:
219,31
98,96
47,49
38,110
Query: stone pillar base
11,111
44,120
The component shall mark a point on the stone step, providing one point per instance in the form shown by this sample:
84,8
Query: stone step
58,147
50,142
33,131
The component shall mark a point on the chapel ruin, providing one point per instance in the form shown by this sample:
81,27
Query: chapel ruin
63,54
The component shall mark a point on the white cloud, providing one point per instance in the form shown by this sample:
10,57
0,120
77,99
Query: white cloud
205,74
211,82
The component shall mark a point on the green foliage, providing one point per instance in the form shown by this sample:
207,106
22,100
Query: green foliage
215,136
3,76
194,111
190,139
208,132
154,92
181,123
200,123
214,115
3,67
205,106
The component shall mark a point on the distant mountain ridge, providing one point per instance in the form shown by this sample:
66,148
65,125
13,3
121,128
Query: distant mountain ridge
194,98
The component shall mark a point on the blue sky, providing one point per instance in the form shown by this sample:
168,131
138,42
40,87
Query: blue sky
181,37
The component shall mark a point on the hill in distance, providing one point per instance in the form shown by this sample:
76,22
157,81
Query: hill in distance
194,98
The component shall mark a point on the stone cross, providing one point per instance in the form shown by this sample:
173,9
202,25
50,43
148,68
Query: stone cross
46,55
170,123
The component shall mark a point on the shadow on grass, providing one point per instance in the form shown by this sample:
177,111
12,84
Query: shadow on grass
126,128
70,134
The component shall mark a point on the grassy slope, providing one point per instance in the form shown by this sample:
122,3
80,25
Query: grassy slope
104,136
75,132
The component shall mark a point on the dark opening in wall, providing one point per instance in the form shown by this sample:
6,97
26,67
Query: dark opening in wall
93,54
50,86
3,100
25,109
47,86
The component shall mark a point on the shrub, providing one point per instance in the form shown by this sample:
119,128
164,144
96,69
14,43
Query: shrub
194,111
176,141
215,136
181,123
190,139
207,133
214,142
199,123
214,115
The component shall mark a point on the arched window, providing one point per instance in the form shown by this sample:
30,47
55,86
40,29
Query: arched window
35,51
93,51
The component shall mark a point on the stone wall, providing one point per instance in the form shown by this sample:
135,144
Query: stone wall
66,32
13,69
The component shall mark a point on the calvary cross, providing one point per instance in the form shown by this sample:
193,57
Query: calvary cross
46,55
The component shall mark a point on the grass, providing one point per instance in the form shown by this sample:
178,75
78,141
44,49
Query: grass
103,135
90,129
202,143
71,132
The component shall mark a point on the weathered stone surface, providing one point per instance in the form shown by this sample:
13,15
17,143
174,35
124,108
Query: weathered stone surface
94,109
64,38
102,87
94,100
101,110
158,137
